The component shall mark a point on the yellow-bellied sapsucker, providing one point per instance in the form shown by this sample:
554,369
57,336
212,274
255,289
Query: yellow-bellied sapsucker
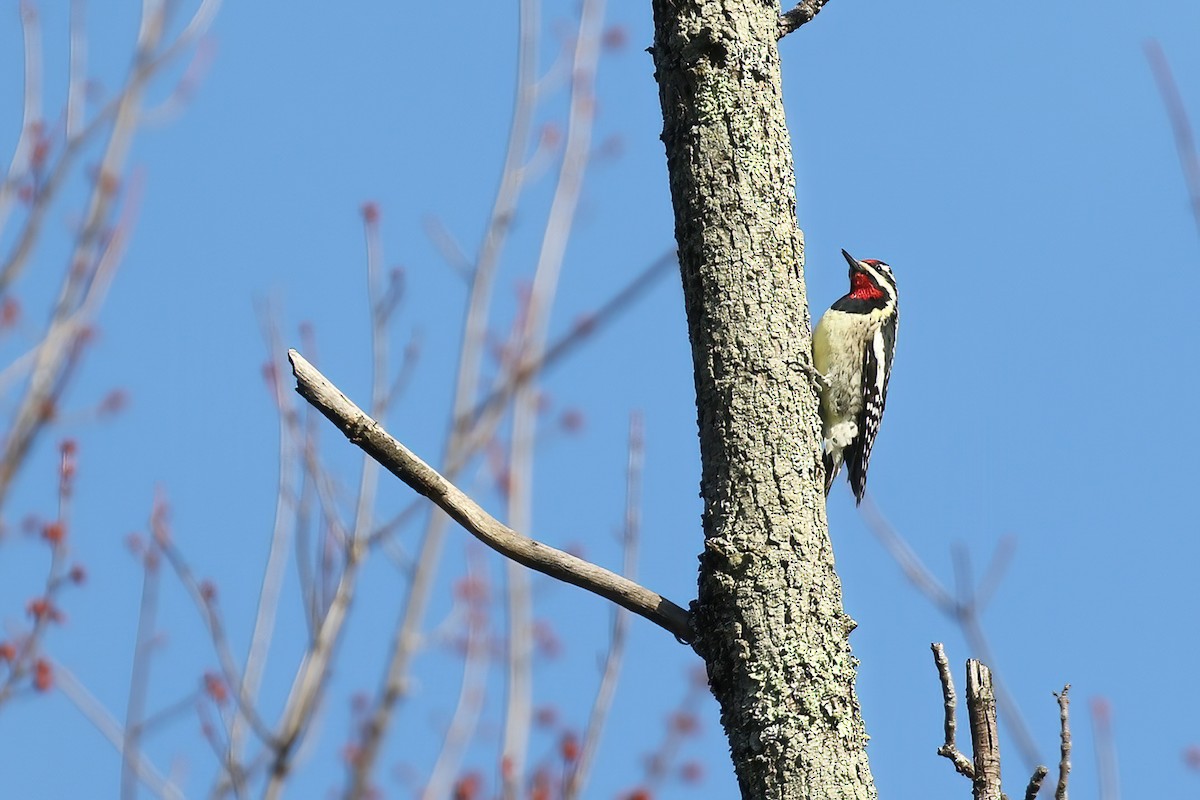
853,346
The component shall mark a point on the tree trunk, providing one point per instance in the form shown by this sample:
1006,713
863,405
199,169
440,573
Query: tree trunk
769,617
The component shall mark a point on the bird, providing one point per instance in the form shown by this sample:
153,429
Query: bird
853,347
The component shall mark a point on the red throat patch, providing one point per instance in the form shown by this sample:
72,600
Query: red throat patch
863,288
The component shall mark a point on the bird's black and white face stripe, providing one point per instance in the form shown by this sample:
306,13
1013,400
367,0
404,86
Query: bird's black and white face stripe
872,286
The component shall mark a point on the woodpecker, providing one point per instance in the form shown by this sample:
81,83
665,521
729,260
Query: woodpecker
853,347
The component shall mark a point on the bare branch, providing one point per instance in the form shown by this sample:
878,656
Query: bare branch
802,14
950,700
914,569
1064,761
401,462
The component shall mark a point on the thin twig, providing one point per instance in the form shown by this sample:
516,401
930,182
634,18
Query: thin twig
1064,760
484,417
570,340
76,70
950,702
139,674
530,344
312,675
474,682
364,432
111,729
577,779
91,257
449,248
29,646
32,124
206,605
475,325
277,552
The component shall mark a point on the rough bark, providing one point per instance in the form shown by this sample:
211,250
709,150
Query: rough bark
769,616
985,732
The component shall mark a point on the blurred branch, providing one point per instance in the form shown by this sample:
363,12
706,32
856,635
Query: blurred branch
463,723
569,341
111,729
1106,750
963,607
306,687
262,632
486,414
1181,128
475,325
205,601
97,244
364,432
139,673
27,655
577,779
530,343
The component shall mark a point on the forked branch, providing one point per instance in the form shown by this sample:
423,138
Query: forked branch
367,434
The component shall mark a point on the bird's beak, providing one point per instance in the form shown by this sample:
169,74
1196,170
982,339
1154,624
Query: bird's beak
854,265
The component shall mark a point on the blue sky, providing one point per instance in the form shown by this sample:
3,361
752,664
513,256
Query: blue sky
1016,169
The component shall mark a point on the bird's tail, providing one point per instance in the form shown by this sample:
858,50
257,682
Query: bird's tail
832,458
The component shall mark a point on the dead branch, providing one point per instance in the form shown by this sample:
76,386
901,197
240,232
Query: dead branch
1064,760
984,769
950,699
985,733
364,432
